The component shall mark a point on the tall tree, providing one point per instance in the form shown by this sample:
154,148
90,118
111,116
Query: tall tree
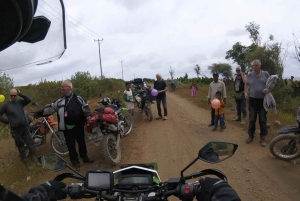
6,83
297,48
172,73
197,70
223,69
253,29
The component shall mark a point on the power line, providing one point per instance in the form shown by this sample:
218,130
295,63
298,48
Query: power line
106,44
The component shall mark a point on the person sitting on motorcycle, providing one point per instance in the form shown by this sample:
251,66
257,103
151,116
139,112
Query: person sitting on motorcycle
211,189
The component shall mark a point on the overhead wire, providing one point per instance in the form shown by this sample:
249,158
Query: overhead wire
92,33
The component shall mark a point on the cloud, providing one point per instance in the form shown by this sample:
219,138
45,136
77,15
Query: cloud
236,32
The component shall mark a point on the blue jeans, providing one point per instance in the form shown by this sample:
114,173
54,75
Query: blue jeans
221,118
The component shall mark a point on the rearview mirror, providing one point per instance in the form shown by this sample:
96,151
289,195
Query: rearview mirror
215,152
52,162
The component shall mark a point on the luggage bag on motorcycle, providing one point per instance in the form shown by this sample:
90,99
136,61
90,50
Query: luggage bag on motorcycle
108,115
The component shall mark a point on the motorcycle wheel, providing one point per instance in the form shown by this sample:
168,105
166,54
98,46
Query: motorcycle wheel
149,114
59,146
128,122
283,147
111,153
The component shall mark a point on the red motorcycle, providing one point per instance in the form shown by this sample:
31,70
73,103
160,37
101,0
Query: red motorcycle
39,131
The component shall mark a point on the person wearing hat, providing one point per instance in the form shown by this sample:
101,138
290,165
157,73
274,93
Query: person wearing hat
215,85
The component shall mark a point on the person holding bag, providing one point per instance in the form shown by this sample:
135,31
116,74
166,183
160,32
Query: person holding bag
239,97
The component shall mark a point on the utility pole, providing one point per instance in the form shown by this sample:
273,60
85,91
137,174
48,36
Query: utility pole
122,68
100,55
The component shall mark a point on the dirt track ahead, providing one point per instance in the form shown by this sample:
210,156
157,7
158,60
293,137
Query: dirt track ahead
173,143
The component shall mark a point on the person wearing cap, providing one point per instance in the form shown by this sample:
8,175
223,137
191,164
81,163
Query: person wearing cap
215,85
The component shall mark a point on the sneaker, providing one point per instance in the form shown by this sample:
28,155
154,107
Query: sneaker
262,142
249,140
243,122
214,129
159,117
76,165
86,159
36,161
237,119
165,118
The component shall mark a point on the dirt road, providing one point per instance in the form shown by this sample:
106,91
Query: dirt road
173,143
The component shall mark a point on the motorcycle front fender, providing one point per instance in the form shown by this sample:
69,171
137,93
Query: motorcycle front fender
289,129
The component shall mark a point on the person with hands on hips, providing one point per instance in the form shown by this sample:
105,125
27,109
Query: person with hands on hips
213,189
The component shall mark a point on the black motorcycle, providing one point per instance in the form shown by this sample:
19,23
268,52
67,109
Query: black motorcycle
143,100
286,145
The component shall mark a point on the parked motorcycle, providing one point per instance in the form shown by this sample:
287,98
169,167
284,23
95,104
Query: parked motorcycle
126,119
105,125
40,129
286,145
139,181
144,102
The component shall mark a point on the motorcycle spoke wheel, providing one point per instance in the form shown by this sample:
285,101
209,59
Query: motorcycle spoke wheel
128,122
59,145
111,153
284,147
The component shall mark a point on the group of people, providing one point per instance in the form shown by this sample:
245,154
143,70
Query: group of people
255,82
72,112
159,85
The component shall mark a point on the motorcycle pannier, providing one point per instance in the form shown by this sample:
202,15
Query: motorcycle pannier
111,118
108,110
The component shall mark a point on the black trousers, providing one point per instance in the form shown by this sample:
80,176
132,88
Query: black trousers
256,108
21,135
72,136
164,103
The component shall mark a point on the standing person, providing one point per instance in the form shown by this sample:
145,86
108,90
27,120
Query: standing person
128,98
257,82
239,95
72,112
215,85
14,110
194,88
219,113
161,86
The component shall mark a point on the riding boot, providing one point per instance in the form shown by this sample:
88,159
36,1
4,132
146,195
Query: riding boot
22,153
33,156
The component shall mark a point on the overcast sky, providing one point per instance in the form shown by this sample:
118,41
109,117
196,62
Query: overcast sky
150,36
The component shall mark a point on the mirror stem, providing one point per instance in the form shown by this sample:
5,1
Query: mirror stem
181,173
75,171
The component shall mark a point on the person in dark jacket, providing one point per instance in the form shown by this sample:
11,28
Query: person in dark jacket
161,86
72,112
239,95
19,125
